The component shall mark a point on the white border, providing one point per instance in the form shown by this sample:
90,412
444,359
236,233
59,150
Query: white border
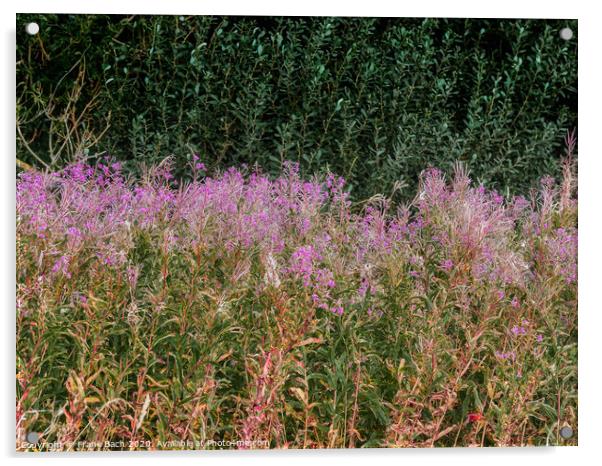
424,8
590,179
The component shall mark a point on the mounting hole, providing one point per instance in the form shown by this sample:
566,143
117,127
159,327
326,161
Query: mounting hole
32,437
32,28
566,33
566,432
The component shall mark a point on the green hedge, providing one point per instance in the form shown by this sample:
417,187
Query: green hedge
374,99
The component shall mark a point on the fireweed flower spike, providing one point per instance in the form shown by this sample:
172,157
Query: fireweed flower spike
447,265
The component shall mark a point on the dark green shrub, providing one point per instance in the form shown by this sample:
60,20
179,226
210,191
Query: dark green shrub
375,100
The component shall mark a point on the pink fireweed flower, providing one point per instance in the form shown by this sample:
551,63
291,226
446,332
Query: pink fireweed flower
323,279
74,232
497,198
75,236
562,253
319,302
511,355
515,303
41,230
363,288
302,263
518,330
61,266
447,265
132,274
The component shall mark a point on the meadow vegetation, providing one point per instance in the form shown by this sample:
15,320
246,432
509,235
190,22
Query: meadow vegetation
240,306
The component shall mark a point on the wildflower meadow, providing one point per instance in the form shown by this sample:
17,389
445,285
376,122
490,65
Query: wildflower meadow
238,309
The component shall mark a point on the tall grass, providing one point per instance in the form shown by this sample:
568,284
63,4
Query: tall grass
274,313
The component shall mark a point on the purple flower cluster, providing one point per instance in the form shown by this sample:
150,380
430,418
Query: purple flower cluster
447,265
510,355
307,229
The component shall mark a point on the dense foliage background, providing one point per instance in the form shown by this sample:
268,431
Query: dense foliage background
374,100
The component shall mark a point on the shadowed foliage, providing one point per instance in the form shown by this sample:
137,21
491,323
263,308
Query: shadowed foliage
375,100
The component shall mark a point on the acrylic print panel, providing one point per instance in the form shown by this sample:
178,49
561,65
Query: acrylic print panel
285,232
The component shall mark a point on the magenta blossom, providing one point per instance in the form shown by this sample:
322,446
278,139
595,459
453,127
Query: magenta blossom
447,265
